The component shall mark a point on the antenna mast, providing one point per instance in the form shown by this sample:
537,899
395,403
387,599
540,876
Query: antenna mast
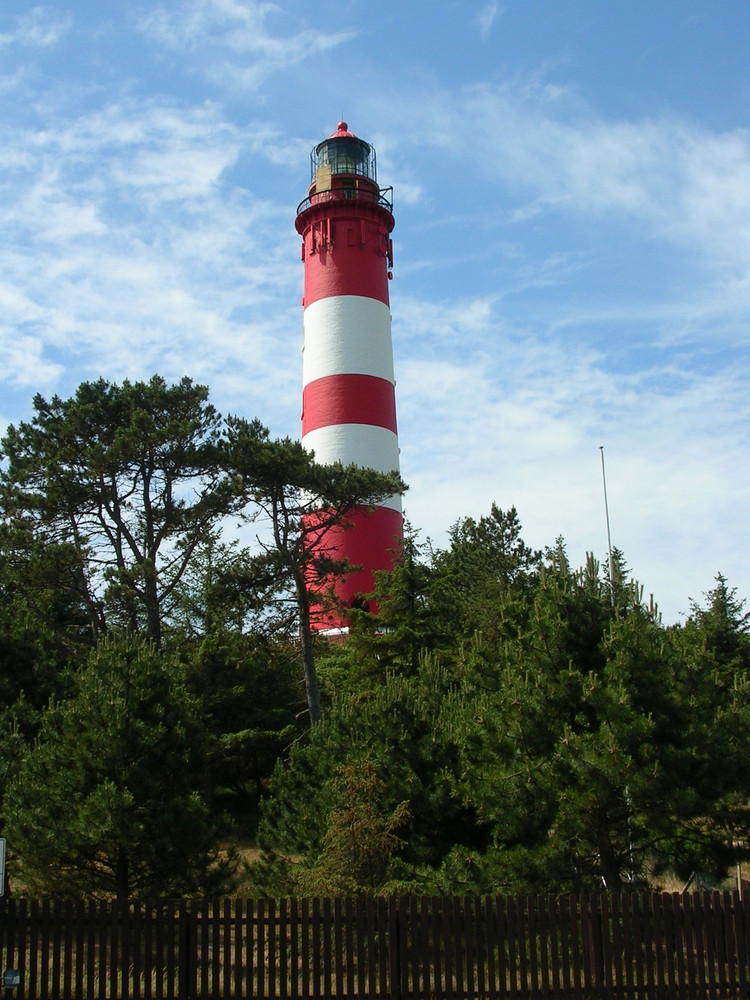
609,537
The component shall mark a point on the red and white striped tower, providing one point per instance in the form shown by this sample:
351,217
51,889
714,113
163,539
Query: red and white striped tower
348,395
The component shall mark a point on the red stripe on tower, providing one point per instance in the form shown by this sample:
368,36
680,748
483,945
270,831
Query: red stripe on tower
349,407
348,399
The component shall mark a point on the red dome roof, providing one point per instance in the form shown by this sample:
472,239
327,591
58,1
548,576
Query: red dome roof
342,132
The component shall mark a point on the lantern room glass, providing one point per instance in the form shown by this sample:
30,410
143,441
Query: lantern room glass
344,155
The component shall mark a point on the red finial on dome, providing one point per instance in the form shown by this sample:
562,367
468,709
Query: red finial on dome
342,131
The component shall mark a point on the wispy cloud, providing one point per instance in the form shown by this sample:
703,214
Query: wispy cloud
41,27
519,420
486,18
132,260
247,47
674,174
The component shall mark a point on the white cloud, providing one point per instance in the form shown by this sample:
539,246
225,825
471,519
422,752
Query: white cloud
673,178
246,47
486,18
125,251
42,27
488,412
23,356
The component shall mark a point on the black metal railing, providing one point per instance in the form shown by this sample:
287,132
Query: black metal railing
349,194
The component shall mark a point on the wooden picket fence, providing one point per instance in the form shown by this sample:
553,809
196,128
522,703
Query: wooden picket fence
638,945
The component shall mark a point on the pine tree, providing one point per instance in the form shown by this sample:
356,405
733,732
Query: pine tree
107,494
106,801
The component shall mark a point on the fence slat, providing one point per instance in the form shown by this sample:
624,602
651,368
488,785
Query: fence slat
490,936
226,941
650,944
315,928
9,931
33,946
672,936
567,948
305,956
530,922
678,930
715,945
373,950
690,975
625,944
149,955
363,935
447,950
421,911
740,930
437,954
135,926
587,948
216,962
480,945
553,921
660,979
729,947
68,937
294,948
459,936
467,923
382,950
260,951
404,954
338,950
326,947
160,917
416,950
351,956
699,929
511,939
20,963
639,943
167,963
283,938
270,951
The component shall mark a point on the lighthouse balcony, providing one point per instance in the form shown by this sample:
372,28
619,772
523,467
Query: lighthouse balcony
343,193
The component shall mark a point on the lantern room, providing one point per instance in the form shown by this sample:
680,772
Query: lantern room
343,153
343,166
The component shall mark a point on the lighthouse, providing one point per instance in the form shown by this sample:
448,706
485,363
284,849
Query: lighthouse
348,387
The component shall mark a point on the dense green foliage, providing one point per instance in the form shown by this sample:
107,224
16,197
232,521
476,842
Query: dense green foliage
105,800
114,505
564,740
506,722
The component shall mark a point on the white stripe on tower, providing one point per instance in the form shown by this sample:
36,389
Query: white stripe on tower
347,333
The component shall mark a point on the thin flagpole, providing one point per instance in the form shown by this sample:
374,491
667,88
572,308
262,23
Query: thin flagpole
609,537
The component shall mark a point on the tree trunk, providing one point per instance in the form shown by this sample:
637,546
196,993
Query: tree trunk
608,861
308,654
122,877
153,611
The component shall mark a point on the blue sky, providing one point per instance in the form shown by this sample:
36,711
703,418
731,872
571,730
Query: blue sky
572,243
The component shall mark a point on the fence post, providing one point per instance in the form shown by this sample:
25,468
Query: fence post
7,920
394,950
184,945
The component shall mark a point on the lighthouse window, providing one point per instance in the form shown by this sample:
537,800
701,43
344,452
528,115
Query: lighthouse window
349,189
346,156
